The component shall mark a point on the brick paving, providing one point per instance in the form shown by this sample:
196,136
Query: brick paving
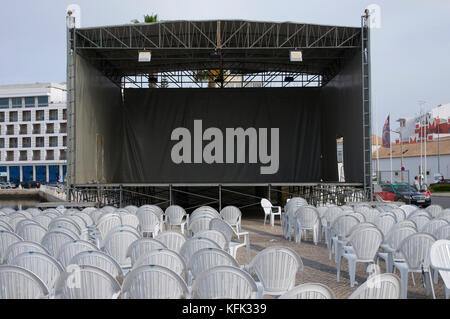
317,266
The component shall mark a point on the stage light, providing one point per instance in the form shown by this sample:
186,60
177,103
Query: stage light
215,55
145,56
289,79
296,56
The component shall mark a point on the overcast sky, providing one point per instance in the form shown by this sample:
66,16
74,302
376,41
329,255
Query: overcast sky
410,52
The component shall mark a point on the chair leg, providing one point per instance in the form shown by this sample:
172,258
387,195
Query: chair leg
352,271
447,293
435,276
413,280
390,263
404,277
429,284
265,217
338,268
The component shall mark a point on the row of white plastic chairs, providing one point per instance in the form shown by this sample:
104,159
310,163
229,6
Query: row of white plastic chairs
405,235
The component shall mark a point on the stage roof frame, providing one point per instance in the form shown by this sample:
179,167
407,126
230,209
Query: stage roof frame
245,48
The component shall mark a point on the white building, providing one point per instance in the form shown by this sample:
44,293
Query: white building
33,132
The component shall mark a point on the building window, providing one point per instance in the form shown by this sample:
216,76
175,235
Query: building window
30,102
36,128
39,115
37,155
2,116
50,155
42,101
9,129
26,142
26,116
10,155
16,102
23,129
4,103
2,143
64,114
53,115
23,156
13,142
53,141
62,155
40,141
13,116
50,128
64,140
62,128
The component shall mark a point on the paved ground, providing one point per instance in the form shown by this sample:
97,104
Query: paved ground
441,199
317,267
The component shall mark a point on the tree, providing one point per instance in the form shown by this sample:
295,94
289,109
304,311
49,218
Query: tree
148,18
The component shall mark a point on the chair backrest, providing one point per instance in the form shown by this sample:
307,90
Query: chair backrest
23,247
43,220
165,258
53,241
205,210
19,283
107,222
4,225
199,224
65,222
276,268
86,218
408,209
384,223
193,245
154,282
207,258
32,232
172,239
175,214
231,214
216,236
366,242
293,205
7,238
47,268
108,209
34,211
381,286
420,220
78,220
395,237
399,213
72,248
442,232
433,225
132,209
96,214
331,214
370,214
309,291
61,229
154,208
440,256
24,222
202,214
434,210
149,221
129,219
343,225
13,221
224,282
116,244
419,212
415,250
98,259
266,206
361,218
141,247
222,226
86,282
406,223
308,216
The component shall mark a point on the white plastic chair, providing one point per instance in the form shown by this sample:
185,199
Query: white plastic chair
154,282
4,225
364,243
399,214
207,258
270,210
156,210
232,215
415,250
173,240
420,220
86,282
53,241
141,247
440,261
132,209
42,265
434,210
216,236
23,247
19,283
433,225
340,230
204,211
408,209
198,224
380,286
32,232
72,248
100,260
7,239
442,232
165,258
309,291
176,216
65,222
149,222
308,219
328,218
224,282
384,223
193,245
43,220
105,224
370,214
276,268
129,219
116,244
230,233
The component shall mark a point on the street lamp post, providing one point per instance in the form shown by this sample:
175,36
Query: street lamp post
401,150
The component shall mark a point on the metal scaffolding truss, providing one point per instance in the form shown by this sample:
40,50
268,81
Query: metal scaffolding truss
235,48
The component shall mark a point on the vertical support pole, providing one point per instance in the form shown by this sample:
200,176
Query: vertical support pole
170,194
220,197
120,196
268,192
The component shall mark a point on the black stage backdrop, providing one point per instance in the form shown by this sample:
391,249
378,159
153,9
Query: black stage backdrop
150,116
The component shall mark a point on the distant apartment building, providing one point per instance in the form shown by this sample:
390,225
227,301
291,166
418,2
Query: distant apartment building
33,132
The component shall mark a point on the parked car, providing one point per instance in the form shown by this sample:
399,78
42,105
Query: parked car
405,193
30,184
5,185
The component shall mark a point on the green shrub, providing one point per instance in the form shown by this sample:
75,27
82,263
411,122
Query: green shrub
438,188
